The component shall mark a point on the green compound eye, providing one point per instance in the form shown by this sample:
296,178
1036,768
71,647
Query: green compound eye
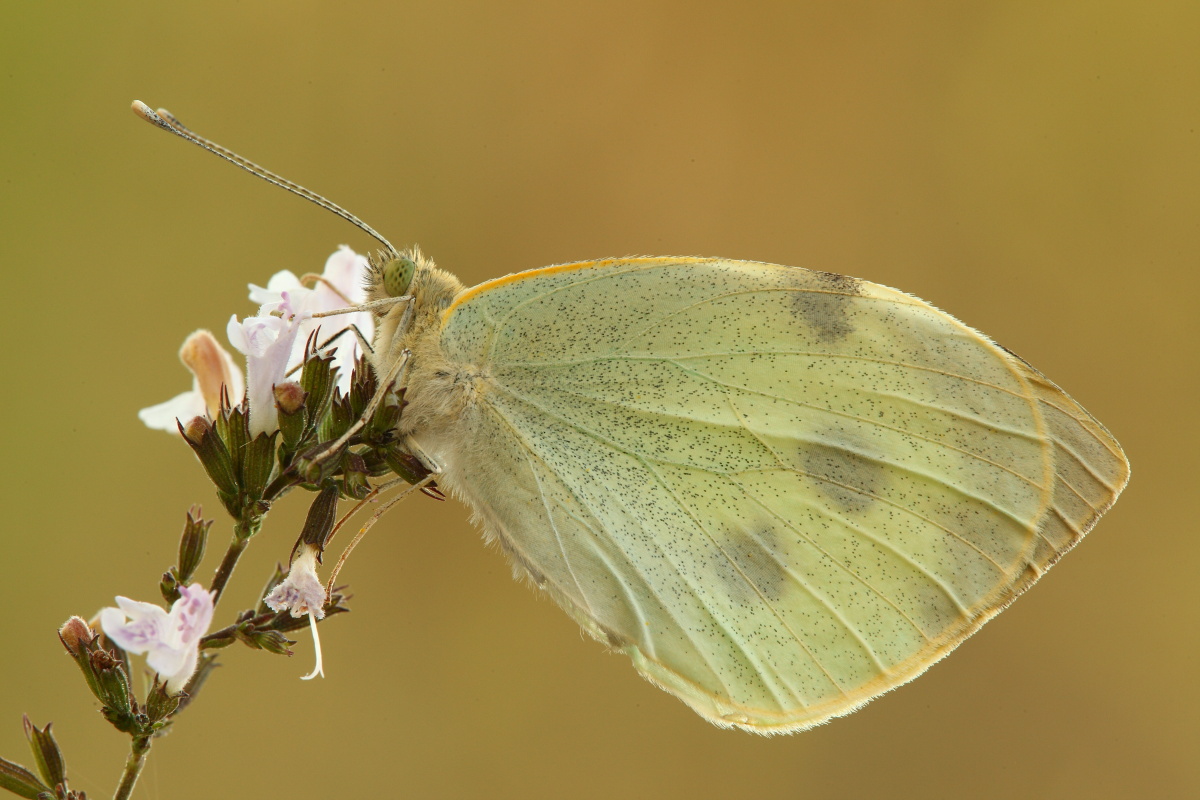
397,275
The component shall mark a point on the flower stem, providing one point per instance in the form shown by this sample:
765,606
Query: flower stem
138,749
227,564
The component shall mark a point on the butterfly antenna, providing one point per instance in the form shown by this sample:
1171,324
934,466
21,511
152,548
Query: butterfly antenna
166,120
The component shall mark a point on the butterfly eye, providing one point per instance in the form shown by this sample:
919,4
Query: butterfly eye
397,275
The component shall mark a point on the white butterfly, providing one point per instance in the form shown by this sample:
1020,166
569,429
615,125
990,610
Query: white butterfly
780,492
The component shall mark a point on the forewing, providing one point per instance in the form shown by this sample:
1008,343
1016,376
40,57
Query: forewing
781,492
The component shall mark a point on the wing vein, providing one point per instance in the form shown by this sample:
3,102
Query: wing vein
571,362
755,499
749,656
767,603
902,467
700,651
814,407
558,536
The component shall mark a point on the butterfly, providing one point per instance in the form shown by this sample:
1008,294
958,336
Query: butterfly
780,492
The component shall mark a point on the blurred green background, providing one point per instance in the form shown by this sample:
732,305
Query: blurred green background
1032,168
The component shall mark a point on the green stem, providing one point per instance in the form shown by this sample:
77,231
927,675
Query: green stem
243,529
138,749
225,570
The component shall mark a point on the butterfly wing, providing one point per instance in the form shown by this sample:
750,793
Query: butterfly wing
780,492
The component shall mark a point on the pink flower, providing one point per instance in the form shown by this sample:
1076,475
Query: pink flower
267,342
171,640
273,341
342,284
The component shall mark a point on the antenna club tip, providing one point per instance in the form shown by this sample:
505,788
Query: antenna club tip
142,110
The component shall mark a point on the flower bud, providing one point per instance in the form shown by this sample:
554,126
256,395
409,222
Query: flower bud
197,428
76,635
293,416
315,464
169,586
289,397
270,640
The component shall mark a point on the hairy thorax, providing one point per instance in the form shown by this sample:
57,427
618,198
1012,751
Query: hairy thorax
437,390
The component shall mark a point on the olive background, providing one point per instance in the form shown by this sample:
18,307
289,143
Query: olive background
1034,169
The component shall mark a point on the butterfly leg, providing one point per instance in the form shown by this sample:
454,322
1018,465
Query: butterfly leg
393,377
427,461
371,305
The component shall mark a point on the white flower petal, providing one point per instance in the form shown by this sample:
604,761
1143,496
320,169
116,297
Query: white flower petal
301,592
212,367
183,673
136,627
343,285
167,661
346,272
266,342
282,281
182,407
319,669
192,613
136,609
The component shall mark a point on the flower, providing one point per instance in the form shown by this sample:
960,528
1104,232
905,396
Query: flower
273,341
172,640
212,368
267,342
342,284
301,593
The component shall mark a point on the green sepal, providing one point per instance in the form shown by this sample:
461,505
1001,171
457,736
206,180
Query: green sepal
160,704
354,477
233,425
191,544
338,420
258,463
317,472
210,447
113,690
20,781
362,386
270,640
318,380
169,586
321,516
405,464
383,422
46,753
293,425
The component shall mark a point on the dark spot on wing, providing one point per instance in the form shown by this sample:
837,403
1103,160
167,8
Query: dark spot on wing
844,474
827,305
748,565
